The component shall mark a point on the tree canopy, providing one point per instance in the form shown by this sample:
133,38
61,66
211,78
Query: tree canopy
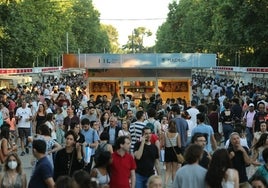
37,32
236,30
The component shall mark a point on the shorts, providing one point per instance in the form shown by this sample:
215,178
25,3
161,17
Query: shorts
24,132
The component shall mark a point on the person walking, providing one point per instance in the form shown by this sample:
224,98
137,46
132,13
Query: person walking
101,169
181,126
201,140
171,139
220,173
69,158
258,148
5,146
91,142
135,128
123,165
146,157
226,118
205,129
24,118
239,157
42,176
192,174
12,175
248,122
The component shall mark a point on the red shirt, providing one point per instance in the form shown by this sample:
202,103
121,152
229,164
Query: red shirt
120,170
154,138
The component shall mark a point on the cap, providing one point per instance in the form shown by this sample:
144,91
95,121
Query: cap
251,104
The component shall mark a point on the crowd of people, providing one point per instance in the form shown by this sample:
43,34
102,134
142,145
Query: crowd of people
80,140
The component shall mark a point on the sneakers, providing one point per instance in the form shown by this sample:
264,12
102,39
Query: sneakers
27,150
22,153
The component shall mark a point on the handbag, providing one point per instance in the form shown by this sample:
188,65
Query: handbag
179,156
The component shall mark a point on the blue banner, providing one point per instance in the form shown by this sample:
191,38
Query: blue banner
156,61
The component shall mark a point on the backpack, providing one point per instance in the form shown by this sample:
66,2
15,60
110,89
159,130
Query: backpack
100,149
151,126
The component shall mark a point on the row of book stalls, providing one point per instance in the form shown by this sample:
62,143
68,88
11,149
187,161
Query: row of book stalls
12,77
256,75
136,74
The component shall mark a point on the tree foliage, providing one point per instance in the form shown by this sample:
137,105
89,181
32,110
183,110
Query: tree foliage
234,29
135,40
36,32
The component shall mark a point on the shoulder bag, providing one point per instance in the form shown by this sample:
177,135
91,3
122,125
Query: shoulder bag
180,157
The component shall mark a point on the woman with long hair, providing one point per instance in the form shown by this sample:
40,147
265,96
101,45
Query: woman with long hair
104,120
5,146
257,148
220,173
13,176
52,125
101,169
125,128
257,135
40,116
171,141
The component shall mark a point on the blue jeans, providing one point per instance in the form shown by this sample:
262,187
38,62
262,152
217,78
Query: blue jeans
227,130
141,181
249,135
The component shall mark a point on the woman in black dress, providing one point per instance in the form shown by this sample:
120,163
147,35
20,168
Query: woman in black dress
40,117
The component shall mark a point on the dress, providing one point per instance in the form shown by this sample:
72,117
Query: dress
5,183
40,120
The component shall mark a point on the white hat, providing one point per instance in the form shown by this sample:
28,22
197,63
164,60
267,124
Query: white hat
251,104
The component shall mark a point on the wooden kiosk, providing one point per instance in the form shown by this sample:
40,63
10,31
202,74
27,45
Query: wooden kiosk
166,74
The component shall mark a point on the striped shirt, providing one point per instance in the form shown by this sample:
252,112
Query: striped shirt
135,130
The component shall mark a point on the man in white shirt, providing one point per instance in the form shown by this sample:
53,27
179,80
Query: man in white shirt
206,92
193,111
248,121
24,117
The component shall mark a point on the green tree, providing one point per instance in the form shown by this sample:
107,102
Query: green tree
113,37
237,30
135,41
87,29
37,32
